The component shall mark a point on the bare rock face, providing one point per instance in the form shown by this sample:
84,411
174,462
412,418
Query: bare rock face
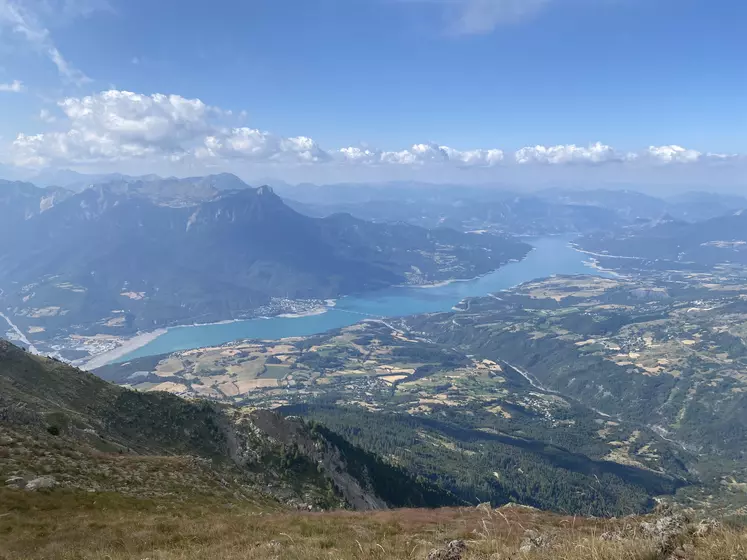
532,540
665,526
668,530
674,533
452,551
41,483
706,527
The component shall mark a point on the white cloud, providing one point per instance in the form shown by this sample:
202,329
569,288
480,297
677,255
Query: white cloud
112,127
670,154
359,155
75,147
16,86
476,158
417,154
673,154
154,119
569,153
255,145
115,125
421,154
23,20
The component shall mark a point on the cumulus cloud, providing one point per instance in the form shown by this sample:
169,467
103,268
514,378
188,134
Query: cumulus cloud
23,19
421,154
569,153
475,158
115,126
75,147
670,154
158,119
16,86
601,154
256,145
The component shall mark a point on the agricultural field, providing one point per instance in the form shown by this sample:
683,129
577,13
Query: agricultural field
432,409
648,376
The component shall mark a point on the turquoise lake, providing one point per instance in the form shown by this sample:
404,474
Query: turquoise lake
551,256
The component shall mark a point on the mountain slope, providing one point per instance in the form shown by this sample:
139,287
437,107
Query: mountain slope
20,202
123,257
707,243
665,355
89,435
549,211
78,182
458,207
41,526
478,427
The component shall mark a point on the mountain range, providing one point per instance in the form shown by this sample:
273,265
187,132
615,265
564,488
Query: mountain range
133,255
539,212
675,243
114,255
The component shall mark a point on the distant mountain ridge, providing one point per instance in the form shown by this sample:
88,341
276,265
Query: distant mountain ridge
126,256
20,201
77,182
539,212
707,243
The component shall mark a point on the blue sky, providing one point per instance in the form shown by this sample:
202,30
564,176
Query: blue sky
475,90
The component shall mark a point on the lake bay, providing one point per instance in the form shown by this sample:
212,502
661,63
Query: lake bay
551,256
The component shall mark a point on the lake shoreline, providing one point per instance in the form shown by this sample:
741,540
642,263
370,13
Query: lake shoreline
594,263
444,283
548,257
128,346
132,344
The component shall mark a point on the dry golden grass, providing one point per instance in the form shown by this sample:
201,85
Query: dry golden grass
61,525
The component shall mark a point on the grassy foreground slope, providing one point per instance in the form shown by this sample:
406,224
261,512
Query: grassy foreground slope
58,526
92,471
65,429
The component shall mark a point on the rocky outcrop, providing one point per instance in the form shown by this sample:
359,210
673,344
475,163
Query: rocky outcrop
452,551
41,483
534,539
16,482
